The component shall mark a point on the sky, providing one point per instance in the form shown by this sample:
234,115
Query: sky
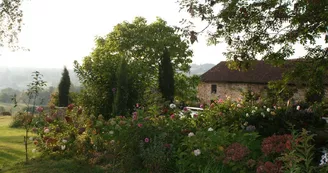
57,32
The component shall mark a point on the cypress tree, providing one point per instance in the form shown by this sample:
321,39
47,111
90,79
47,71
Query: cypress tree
122,93
63,89
166,77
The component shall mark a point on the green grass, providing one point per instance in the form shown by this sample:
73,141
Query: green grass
53,166
11,144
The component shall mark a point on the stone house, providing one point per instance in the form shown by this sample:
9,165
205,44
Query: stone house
222,82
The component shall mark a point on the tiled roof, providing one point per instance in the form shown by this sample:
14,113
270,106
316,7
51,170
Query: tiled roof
260,73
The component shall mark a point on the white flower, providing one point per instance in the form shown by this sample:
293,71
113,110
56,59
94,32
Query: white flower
64,141
197,152
112,141
298,108
268,110
111,132
46,130
191,134
63,147
246,123
255,108
239,105
263,114
34,150
31,138
247,115
172,106
253,111
324,158
264,107
210,129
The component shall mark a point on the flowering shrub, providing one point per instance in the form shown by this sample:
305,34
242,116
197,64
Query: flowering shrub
224,137
276,144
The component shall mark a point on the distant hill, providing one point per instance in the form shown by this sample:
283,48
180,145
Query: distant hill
200,69
18,78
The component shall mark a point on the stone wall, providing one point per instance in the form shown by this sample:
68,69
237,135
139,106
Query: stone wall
234,90
224,90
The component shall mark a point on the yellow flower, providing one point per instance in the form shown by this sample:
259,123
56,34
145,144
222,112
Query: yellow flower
273,113
221,148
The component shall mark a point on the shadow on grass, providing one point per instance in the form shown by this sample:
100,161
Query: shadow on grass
53,166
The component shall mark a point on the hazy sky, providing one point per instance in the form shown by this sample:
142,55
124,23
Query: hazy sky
57,32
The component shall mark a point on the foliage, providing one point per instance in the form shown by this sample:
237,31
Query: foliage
166,77
268,30
11,16
254,28
121,92
186,87
63,89
299,158
142,45
32,93
279,92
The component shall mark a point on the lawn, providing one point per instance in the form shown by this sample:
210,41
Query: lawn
11,144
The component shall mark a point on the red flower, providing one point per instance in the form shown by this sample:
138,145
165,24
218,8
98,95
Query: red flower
70,107
140,125
39,109
172,116
276,144
235,152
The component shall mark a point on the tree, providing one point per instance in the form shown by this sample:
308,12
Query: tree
121,92
166,77
261,29
63,89
186,87
269,30
142,45
11,18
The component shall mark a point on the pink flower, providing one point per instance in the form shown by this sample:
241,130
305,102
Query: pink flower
137,105
140,125
39,109
135,116
201,106
172,116
146,140
185,109
167,145
196,115
220,101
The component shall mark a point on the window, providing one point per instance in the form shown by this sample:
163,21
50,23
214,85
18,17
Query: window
213,89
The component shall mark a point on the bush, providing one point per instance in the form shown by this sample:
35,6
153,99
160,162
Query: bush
225,137
17,121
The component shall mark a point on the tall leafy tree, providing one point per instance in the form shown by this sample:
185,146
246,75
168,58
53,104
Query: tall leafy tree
63,89
265,29
166,77
268,30
142,45
121,94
